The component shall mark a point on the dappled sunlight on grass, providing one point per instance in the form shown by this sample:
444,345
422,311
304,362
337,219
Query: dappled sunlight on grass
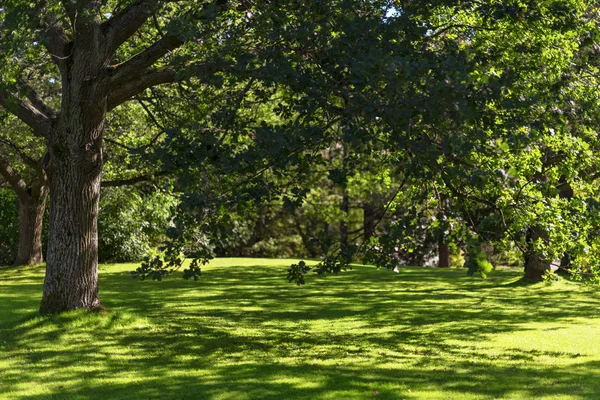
243,332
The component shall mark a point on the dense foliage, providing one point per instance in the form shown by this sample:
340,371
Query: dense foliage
480,109
380,131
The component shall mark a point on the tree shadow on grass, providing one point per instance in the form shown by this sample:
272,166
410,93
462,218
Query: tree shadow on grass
246,333
266,379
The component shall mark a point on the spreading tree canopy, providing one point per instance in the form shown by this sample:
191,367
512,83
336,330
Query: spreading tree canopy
489,100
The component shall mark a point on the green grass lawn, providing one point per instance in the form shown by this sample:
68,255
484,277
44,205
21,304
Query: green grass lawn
243,332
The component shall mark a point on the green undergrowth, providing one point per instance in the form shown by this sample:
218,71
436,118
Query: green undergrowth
243,332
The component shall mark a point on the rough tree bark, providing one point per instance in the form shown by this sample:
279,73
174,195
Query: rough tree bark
444,254
75,173
72,261
31,217
32,203
83,47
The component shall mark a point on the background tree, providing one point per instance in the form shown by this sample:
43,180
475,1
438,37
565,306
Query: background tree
126,164
22,169
449,89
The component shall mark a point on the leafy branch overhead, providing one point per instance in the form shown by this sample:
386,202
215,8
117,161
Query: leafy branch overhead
486,110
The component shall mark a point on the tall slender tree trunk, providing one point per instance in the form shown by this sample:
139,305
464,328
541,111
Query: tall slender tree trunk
566,192
75,173
343,224
345,206
443,253
443,246
369,216
31,216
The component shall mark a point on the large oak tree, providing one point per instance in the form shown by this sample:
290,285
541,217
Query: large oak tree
100,63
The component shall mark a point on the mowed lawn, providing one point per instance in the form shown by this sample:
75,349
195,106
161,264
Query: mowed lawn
243,332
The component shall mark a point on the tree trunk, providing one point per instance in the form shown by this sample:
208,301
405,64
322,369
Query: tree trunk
72,261
31,216
535,264
368,221
535,268
343,223
75,172
566,192
444,254
307,241
443,247
565,265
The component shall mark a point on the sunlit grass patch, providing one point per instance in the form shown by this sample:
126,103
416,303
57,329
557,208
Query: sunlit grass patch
243,332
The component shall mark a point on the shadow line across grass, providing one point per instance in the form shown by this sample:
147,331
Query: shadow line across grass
243,332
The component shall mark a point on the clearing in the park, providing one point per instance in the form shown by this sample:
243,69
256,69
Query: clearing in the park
242,332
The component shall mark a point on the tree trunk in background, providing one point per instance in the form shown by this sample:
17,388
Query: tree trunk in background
444,254
443,247
535,268
368,221
307,241
31,216
566,192
535,264
343,224
565,267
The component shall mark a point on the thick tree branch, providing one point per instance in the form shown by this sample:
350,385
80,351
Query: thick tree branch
144,60
56,42
36,100
55,39
13,178
52,34
138,83
126,22
28,113
134,180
